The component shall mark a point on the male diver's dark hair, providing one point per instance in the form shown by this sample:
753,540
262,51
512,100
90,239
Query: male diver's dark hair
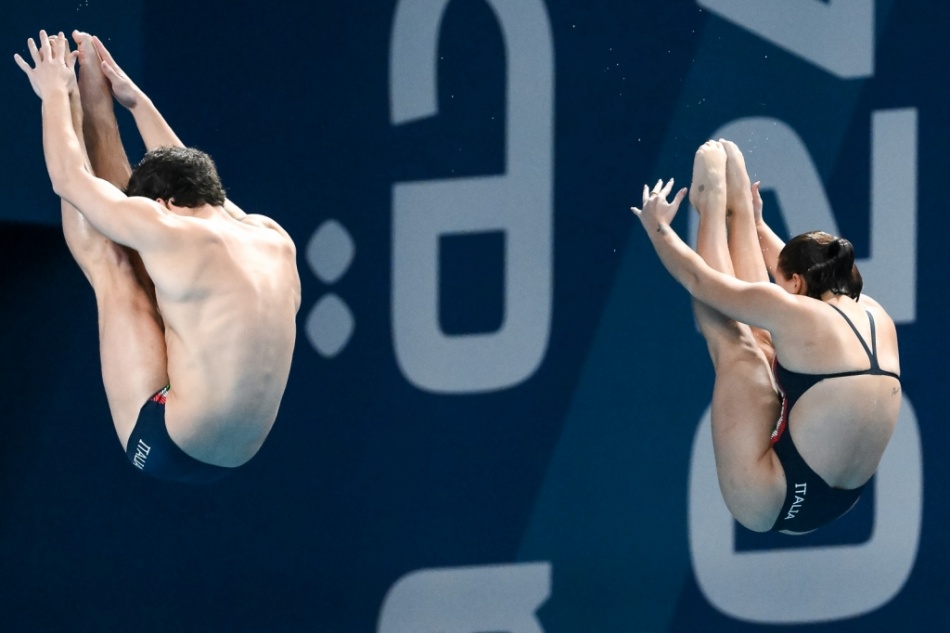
183,175
825,262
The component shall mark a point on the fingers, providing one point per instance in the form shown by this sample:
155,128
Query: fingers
665,192
756,198
50,47
22,64
45,47
679,196
104,54
659,189
109,72
675,205
58,46
660,192
34,53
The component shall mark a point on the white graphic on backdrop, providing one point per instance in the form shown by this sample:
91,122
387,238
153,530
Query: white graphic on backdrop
330,323
819,584
502,598
811,29
517,203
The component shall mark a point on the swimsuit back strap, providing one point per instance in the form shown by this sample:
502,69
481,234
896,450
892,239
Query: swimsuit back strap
872,356
873,341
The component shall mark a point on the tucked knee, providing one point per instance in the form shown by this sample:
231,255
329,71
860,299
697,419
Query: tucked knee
755,500
756,521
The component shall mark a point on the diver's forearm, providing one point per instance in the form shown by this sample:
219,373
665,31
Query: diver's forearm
771,245
152,126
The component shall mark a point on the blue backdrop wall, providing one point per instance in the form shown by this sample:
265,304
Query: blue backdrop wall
496,418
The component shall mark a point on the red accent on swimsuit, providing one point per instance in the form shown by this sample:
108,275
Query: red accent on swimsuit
161,396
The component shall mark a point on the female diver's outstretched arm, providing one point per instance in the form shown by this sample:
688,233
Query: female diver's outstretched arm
770,243
759,304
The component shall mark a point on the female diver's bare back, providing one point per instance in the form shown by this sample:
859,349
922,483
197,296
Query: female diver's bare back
845,416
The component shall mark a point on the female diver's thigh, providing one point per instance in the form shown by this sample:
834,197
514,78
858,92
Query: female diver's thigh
745,408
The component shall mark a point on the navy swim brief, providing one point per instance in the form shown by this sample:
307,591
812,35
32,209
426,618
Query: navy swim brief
151,450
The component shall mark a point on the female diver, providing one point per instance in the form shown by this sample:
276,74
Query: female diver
807,390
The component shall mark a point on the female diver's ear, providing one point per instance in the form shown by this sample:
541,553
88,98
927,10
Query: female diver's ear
799,285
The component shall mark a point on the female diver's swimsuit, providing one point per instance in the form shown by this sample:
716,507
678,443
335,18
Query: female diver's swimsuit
809,501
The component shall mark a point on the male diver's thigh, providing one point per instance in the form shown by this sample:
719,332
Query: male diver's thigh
132,348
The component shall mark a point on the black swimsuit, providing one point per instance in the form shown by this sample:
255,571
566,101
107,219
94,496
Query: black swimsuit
809,501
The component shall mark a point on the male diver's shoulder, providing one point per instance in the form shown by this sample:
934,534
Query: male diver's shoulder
264,222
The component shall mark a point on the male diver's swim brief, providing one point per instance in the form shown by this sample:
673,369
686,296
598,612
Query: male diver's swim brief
151,450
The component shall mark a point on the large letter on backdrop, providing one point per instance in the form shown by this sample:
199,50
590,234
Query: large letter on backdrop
518,204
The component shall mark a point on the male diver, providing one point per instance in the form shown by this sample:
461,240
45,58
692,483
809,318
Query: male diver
197,300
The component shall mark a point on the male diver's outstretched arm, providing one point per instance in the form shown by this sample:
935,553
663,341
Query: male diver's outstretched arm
133,222
152,126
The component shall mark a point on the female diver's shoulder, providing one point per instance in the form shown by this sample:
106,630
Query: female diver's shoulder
868,302
881,315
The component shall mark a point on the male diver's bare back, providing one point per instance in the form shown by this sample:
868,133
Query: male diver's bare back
229,298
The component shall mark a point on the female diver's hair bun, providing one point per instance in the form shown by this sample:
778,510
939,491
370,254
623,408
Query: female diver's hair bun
824,261
836,272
